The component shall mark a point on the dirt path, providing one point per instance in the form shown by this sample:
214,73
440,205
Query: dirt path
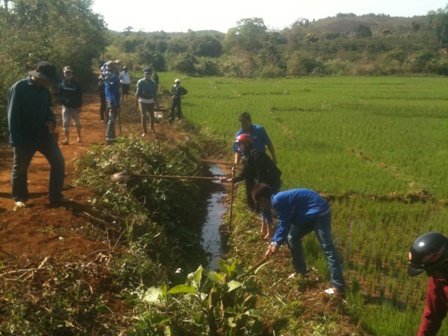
29,235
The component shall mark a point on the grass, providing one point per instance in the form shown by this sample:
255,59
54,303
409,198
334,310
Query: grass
376,147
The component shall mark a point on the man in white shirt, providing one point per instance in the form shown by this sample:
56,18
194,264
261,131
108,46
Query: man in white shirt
125,83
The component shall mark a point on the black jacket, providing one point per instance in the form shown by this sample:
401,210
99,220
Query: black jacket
259,165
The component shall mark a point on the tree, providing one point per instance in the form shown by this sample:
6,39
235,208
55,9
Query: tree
363,31
46,30
250,35
439,22
208,46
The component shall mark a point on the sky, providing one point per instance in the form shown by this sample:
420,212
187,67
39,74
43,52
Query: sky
182,15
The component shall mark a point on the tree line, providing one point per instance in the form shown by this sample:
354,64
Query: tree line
372,44
70,33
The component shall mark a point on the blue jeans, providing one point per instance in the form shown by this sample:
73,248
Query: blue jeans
110,130
49,148
322,228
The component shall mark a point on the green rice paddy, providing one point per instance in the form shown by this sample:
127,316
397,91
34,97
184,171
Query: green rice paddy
375,147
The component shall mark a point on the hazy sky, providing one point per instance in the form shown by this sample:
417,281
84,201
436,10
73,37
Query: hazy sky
180,16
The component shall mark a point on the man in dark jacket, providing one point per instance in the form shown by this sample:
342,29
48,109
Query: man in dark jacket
31,125
176,101
70,92
259,167
429,253
261,140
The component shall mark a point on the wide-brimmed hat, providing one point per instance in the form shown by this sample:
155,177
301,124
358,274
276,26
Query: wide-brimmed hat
45,70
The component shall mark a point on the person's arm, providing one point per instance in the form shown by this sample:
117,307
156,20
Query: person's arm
236,160
436,308
284,216
14,124
237,155
51,118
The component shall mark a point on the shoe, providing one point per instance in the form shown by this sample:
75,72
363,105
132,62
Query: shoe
333,291
19,205
65,142
110,140
61,201
79,140
143,134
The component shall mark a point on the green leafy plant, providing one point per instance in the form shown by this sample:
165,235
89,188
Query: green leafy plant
208,303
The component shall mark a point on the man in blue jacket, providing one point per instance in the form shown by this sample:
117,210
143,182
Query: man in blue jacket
31,125
300,211
112,90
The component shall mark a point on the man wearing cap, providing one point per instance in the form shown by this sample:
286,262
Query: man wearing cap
429,253
177,91
112,91
69,89
125,82
299,212
31,124
145,98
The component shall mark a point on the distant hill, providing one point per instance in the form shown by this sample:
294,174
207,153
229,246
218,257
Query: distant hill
376,23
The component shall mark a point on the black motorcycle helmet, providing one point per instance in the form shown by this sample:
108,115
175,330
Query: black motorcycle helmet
428,250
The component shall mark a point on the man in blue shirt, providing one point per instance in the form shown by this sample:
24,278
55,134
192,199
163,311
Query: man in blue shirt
261,140
112,91
31,124
300,211
146,98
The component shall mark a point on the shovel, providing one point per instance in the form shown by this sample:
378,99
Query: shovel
124,176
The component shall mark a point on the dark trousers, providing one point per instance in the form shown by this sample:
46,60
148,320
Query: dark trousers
176,103
250,183
145,110
49,148
103,106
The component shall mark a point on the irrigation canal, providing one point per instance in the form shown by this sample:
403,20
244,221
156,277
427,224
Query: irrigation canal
212,241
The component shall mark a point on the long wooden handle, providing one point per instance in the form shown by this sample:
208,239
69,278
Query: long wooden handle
232,188
178,177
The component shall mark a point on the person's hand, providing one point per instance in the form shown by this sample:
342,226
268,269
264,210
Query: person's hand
50,126
271,250
225,180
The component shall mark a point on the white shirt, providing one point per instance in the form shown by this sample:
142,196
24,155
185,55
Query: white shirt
125,78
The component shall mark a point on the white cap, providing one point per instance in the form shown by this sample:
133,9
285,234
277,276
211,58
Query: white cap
176,81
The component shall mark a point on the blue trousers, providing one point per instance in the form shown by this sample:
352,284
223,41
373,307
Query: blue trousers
322,228
49,148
